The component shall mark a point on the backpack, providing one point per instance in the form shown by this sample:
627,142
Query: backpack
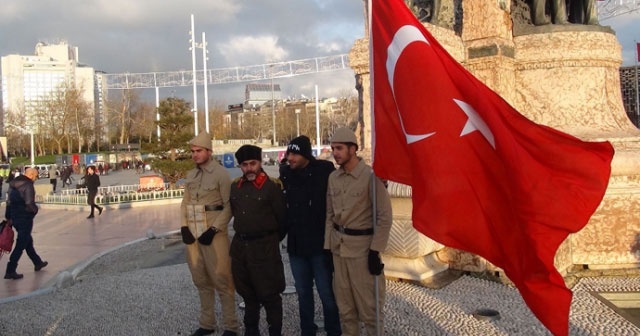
6,237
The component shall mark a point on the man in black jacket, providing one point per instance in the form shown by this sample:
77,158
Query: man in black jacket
21,210
305,183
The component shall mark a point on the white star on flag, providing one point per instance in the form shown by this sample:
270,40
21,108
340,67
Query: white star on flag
475,123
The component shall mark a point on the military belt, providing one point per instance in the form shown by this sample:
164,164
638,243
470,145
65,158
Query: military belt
353,232
213,207
254,236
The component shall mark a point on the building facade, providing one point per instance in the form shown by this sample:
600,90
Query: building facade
30,80
258,94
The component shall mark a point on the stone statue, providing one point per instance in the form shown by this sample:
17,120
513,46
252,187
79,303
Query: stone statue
558,12
583,12
425,10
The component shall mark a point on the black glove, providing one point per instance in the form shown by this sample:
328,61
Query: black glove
375,264
328,260
187,237
207,237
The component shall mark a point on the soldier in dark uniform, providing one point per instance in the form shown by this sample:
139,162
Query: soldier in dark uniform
258,209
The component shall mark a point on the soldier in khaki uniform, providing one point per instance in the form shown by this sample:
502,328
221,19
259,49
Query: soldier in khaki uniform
205,214
351,237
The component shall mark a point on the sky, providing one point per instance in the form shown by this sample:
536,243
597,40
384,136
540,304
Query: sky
118,36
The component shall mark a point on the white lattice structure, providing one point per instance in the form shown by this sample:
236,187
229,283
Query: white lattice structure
611,8
226,75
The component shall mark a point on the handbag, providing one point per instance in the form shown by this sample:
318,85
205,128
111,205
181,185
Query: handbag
6,237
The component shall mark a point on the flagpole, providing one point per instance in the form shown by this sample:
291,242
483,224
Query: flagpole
637,95
374,200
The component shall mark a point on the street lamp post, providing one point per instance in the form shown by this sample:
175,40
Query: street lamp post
298,122
273,109
206,94
195,79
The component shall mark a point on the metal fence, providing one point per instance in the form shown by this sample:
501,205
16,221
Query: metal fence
111,195
112,189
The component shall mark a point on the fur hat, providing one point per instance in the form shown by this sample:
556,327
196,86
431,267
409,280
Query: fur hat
301,145
203,139
248,152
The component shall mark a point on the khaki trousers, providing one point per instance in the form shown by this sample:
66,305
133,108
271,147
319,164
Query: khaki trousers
354,288
210,268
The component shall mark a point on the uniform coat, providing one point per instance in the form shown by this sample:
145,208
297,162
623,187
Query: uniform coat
210,265
258,272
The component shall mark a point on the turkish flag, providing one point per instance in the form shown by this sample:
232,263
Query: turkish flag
485,179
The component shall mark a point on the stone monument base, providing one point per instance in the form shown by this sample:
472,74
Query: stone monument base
417,269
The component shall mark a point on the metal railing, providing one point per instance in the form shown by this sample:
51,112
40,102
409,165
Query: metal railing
110,195
113,189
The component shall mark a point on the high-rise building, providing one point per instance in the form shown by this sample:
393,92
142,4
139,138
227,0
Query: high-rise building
28,80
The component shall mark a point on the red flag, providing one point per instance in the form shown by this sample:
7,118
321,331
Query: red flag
485,179
638,51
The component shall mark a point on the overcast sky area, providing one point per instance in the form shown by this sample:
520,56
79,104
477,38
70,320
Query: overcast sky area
118,36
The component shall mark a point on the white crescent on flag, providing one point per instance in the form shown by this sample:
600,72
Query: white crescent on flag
401,39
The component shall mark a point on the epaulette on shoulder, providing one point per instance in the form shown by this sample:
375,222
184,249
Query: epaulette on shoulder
236,180
277,182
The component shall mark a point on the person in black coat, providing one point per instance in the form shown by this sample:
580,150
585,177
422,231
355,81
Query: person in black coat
20,210
305,185
92,182
258,210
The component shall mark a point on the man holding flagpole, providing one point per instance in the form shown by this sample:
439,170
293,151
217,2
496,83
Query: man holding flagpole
352,202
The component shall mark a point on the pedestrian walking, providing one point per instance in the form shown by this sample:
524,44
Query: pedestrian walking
21,210
258,209
305,184
92,182
352,238
205,214
53,176
65,176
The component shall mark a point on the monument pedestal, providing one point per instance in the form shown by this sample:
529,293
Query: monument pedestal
409,254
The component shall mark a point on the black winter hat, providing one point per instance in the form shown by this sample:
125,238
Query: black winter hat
301,145
248,152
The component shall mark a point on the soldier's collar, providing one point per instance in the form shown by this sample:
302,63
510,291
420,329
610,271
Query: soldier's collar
208,167
258,182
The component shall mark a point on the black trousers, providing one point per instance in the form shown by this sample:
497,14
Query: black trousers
258,274
24,243
91,200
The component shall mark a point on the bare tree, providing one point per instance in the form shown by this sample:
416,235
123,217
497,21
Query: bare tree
143,121
56,114
120,111
17,140
216,120
80,115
